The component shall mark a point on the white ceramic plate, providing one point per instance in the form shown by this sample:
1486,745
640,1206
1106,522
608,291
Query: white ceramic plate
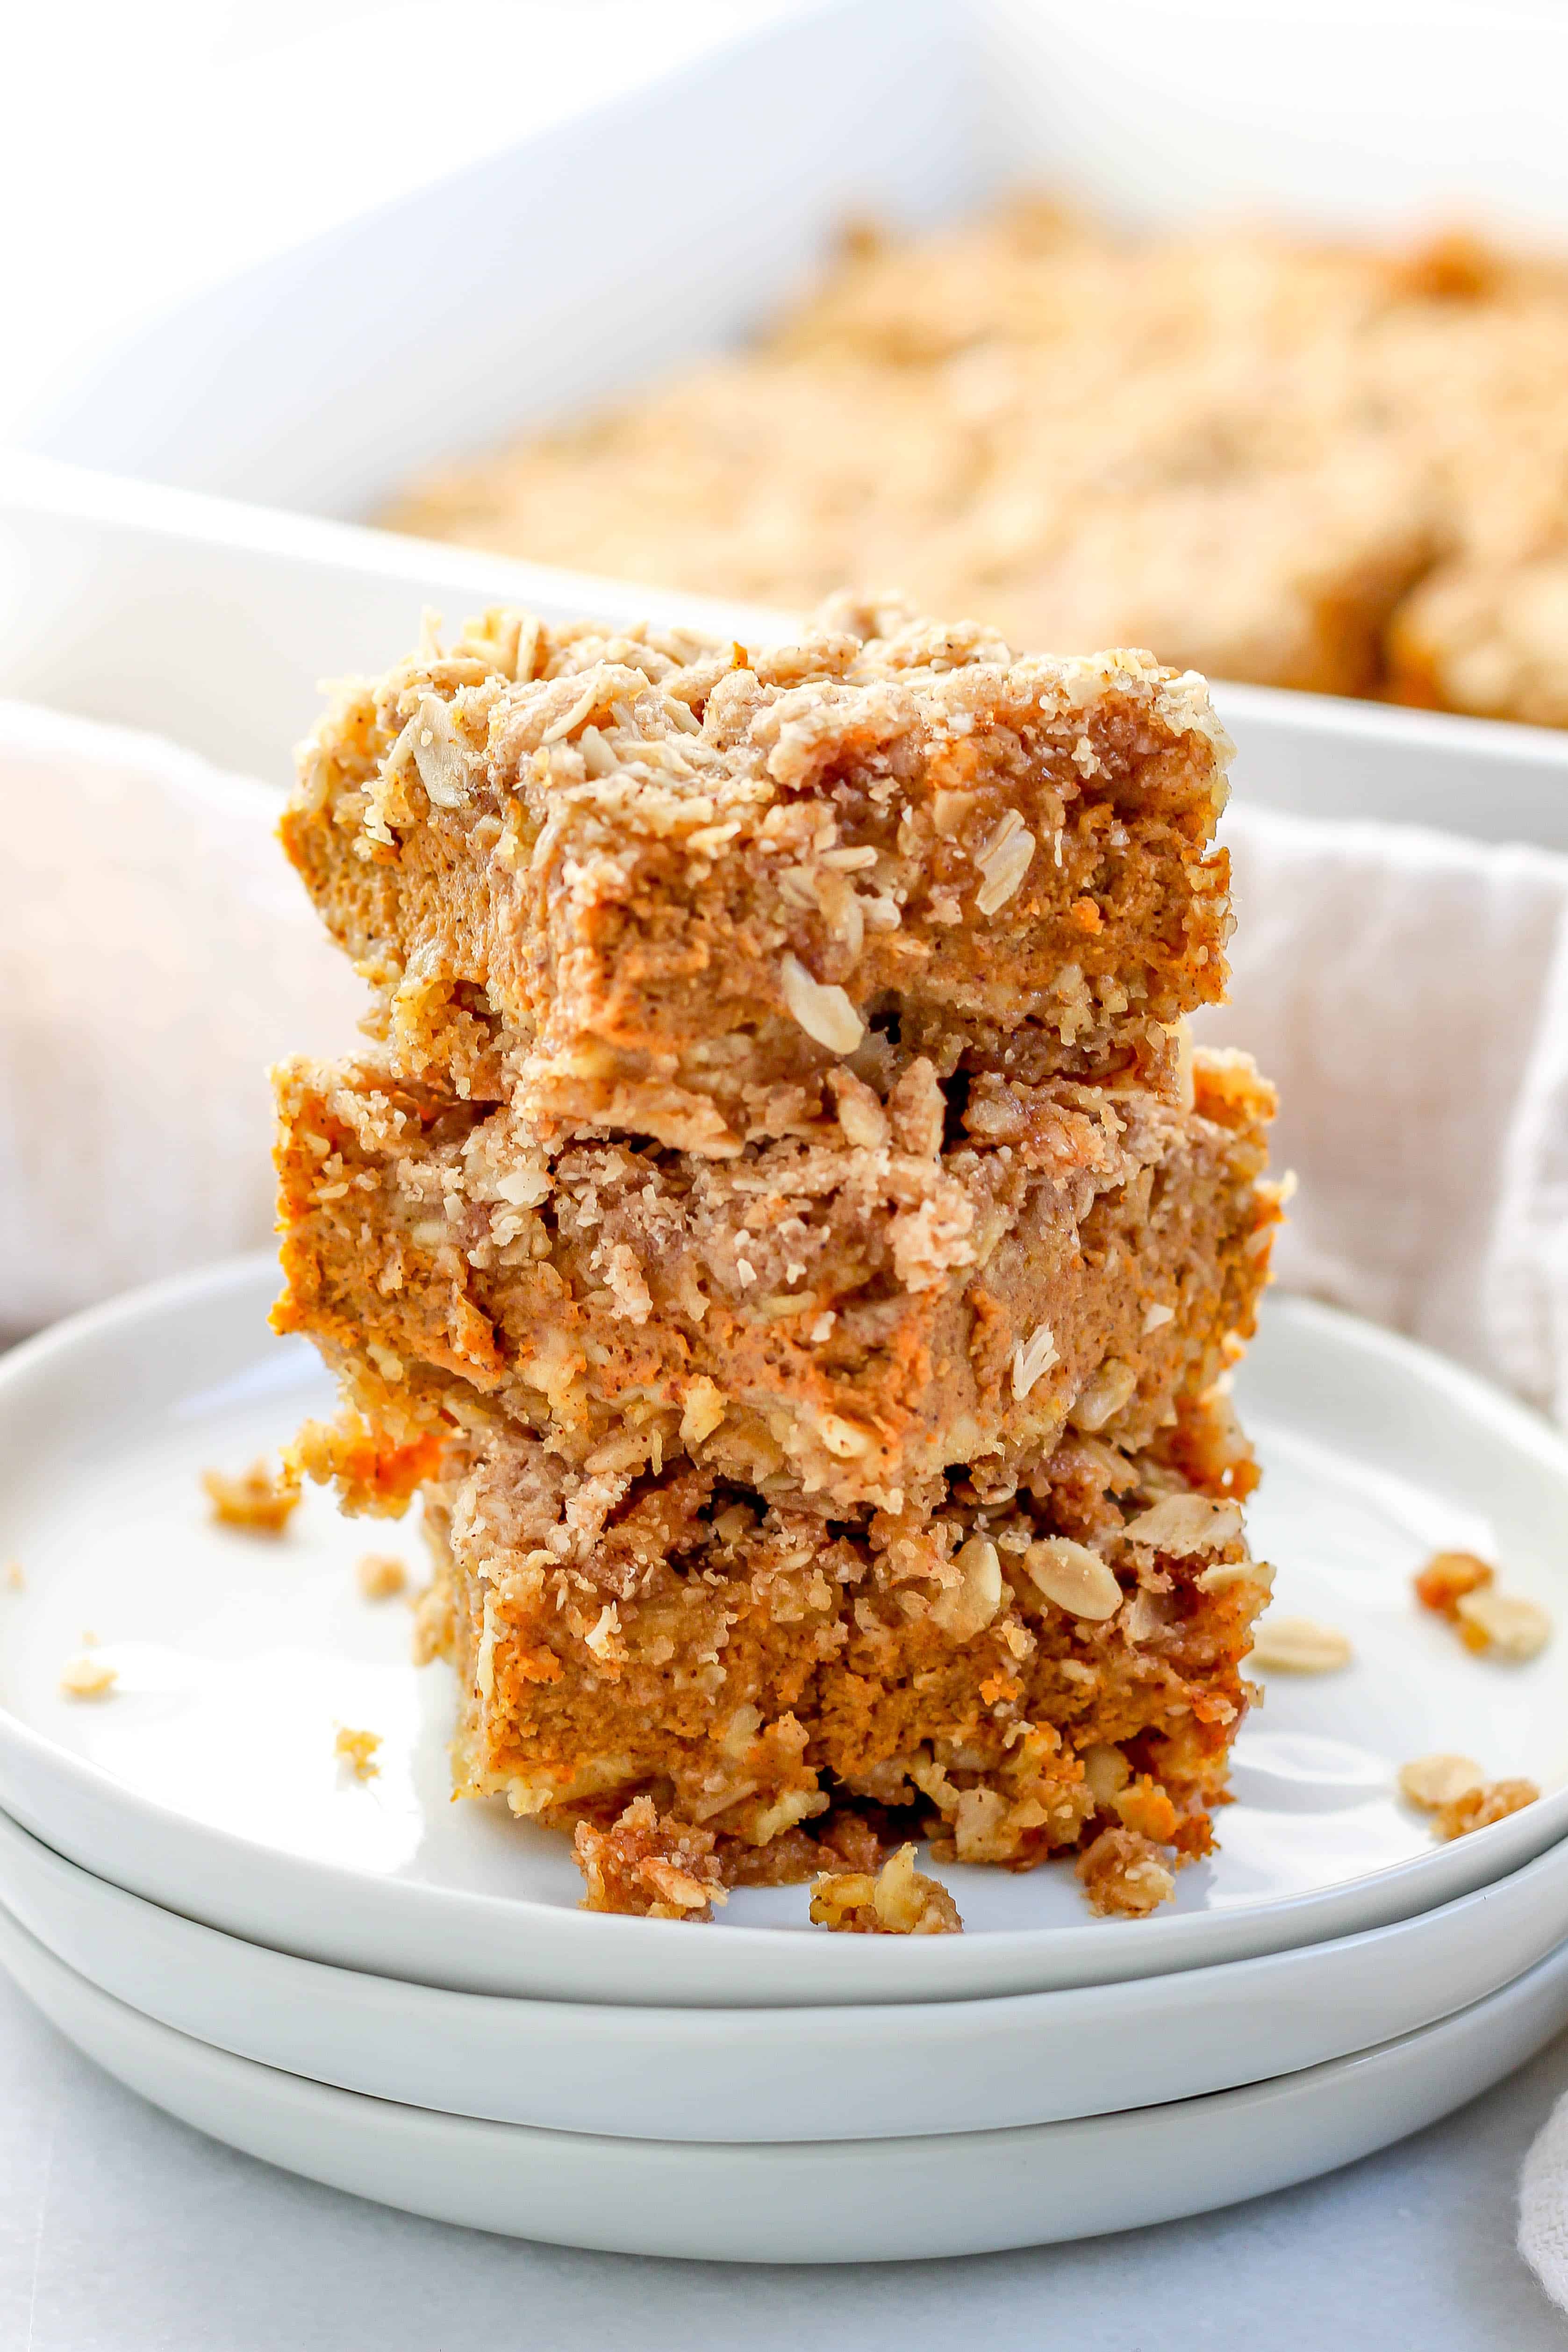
207,1782
822,2201
759,2075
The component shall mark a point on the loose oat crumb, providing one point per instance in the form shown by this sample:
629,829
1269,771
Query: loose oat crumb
379,1576
14,1578
1299,1645
358,1749
257,1499
1458,1792
899,1901
649,1865
1504,1624
1446,1577
1463,1589
87,1676
1433,1781
1478,1807
1123,1876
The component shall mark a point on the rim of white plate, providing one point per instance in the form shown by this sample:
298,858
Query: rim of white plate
746,2077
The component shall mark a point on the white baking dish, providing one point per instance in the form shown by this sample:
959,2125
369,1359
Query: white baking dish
612,245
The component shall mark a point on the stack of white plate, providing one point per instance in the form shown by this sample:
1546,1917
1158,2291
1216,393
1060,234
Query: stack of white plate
397,1995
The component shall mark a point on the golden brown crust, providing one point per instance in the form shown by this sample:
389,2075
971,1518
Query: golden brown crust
839,1315
666,891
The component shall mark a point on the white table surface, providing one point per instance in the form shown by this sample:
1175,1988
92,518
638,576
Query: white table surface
123,2231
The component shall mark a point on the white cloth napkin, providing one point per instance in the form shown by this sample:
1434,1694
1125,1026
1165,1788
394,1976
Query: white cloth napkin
156,954
1409,994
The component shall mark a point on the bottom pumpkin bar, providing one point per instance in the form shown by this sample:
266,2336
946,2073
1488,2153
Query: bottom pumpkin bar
1034,1668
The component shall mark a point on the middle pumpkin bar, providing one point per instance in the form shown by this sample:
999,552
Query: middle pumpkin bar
937,1275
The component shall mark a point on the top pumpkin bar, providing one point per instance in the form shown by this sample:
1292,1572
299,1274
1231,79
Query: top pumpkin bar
668,885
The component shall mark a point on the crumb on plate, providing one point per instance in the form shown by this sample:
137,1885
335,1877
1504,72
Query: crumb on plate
1123,1876
380,1576
87,1676
257,1499
1456,1792
14,1578
1433,1781
648,1865
1478,1807
1448,1577
358,1749
899,1900
1504,1624
1463,1588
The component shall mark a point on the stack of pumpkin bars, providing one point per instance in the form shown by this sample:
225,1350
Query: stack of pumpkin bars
785,1235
